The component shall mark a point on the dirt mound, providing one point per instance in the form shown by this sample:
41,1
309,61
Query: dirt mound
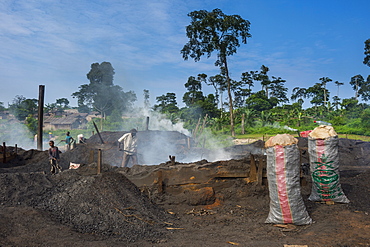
107,204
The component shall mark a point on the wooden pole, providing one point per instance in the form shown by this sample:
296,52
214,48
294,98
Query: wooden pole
4,152
91,157
16,148
40,116
96,128
99,160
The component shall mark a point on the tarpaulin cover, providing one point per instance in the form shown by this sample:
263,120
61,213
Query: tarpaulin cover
324,167
283,174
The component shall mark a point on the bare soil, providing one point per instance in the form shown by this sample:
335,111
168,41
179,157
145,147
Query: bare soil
80,208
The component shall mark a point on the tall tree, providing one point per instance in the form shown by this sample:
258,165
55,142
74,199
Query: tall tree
278,90
219,83
215,31
298,93
264,79
146,99
2,108
22,107
367,53
166,103
357,82
324,81
101,94
316,92
338,84
62,103
194,93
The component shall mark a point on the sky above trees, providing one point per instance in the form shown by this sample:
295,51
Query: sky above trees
53,43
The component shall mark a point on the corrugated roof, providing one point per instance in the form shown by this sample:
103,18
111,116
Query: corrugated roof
65,119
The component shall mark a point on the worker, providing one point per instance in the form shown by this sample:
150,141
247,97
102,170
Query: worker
129,141
69,140
54,158
81,139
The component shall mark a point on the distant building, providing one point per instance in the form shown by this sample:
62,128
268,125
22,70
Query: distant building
66,121
4,115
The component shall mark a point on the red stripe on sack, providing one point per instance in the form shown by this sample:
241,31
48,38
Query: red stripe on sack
320,150
281,184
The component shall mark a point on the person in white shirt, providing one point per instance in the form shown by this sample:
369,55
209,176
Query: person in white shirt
129,141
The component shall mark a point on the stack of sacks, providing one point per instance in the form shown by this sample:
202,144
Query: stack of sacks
283,174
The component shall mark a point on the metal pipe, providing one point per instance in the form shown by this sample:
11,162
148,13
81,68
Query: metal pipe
147,124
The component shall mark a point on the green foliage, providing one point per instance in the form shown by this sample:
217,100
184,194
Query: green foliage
101,94
367,53
2,108
166,104
22,107
32,124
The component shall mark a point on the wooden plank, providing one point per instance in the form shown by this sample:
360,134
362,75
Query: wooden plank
253,170
261,166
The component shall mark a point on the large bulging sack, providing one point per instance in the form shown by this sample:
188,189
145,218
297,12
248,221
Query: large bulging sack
324,165
283,174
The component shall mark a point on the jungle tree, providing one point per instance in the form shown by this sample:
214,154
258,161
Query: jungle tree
367,53
194,93
166,103
101,94
215,31
357,82
21,107
324,81
219,83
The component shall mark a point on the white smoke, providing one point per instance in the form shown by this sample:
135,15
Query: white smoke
159,121
14,133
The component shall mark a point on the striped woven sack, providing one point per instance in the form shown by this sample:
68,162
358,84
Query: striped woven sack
324,167
283,174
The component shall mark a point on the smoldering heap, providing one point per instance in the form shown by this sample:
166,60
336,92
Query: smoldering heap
106,204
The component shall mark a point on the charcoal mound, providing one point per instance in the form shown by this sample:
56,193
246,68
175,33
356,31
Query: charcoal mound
107,204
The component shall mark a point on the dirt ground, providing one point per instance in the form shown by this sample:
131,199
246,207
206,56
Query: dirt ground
80,208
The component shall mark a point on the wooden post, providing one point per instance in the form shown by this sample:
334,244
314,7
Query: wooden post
147,124
243,118
172,159
4,152
261,165
99,160
196,129
160,181
253,170
188,141
40,116
16,148
91,157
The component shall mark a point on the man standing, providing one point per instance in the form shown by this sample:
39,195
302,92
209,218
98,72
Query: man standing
129,141
54,158
69,139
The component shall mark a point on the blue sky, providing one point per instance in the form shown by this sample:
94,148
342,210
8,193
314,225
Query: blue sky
54,42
